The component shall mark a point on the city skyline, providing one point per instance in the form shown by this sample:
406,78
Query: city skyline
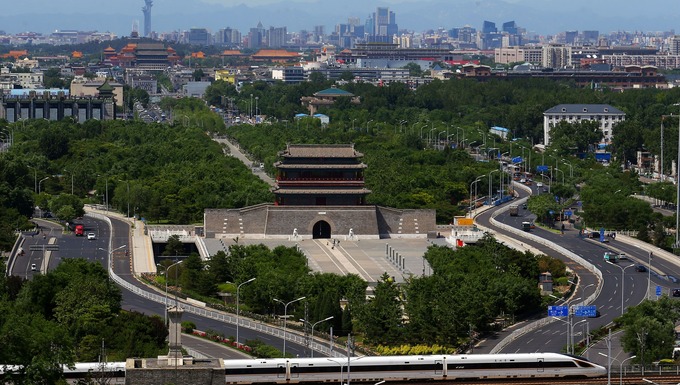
539,17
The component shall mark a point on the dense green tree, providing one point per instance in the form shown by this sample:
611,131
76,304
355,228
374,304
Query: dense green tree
381,317
567,138
649,329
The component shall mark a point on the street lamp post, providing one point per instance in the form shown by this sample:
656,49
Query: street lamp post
42,180
250,112
571,168
368,126
491,186
70,172
128,196
623,282
649,274
108,263
238,314
313,325
166,288
558,170
165,313
285,318
257,98
677,201
621,362
471,184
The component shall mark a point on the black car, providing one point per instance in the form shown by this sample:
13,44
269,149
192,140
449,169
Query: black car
641,268
676,292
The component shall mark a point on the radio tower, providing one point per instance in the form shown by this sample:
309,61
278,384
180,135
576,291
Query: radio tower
147,17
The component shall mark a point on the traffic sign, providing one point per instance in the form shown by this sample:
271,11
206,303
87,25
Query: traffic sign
517,159
558,311
542,168
585,311
568,213
658,291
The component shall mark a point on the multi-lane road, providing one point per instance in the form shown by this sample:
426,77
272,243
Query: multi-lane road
622,283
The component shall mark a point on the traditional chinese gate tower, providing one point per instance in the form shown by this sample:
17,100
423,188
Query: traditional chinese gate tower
320,175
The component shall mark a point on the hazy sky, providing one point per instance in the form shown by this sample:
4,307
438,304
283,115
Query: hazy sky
540,16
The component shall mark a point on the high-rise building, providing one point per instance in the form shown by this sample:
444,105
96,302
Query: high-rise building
147,17
383,26
674,45
590,37
510,27
489,27
277,37
198,36
570,37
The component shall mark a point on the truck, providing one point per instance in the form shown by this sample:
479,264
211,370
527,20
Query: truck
79,230
514,210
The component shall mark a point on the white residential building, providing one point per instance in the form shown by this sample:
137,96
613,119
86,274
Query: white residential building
607,115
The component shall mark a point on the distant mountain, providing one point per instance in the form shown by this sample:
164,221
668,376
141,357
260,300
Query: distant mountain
543,17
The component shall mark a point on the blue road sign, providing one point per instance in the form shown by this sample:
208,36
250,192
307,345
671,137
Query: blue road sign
517,159
585,311
568,213
602,235
558,311
542,168
658,291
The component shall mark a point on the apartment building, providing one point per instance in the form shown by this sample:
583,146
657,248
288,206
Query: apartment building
605,114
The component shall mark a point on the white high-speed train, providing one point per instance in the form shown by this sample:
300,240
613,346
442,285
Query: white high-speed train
406,368
379,368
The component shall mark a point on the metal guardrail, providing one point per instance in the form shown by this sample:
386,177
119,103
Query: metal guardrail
261,327
573,256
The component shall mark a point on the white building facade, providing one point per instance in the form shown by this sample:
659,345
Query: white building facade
605,114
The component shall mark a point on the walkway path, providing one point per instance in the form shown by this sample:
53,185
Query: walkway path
235,151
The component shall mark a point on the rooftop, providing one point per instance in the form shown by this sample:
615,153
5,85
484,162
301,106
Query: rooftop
321,151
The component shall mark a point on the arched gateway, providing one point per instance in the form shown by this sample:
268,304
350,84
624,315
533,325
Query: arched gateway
321,230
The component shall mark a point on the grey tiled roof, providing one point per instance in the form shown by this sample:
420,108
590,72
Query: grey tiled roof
321,151
584,109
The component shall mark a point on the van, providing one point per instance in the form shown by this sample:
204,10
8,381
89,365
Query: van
526,226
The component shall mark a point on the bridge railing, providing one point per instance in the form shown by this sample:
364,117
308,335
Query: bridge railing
559,249
291,335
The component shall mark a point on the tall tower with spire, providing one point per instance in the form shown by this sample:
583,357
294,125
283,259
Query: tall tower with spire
147,17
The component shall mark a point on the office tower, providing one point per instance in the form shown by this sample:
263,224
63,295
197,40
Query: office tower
147,17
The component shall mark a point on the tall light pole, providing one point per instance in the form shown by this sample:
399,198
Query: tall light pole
42,180
620,365
250,112
110,261
128,196
677,198
106,193
491,186
314,324
166,287
70,172
473,182
571,168
649,274
257,98
285,318
623,282
165,313
238,314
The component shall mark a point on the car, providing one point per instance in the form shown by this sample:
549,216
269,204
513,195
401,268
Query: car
91,236
623,256
34,267
641,268
676,292
672,279
524,206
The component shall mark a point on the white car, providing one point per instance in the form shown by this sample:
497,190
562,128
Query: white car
34,267
91,236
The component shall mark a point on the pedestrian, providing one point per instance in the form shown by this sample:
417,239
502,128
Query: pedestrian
562,228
